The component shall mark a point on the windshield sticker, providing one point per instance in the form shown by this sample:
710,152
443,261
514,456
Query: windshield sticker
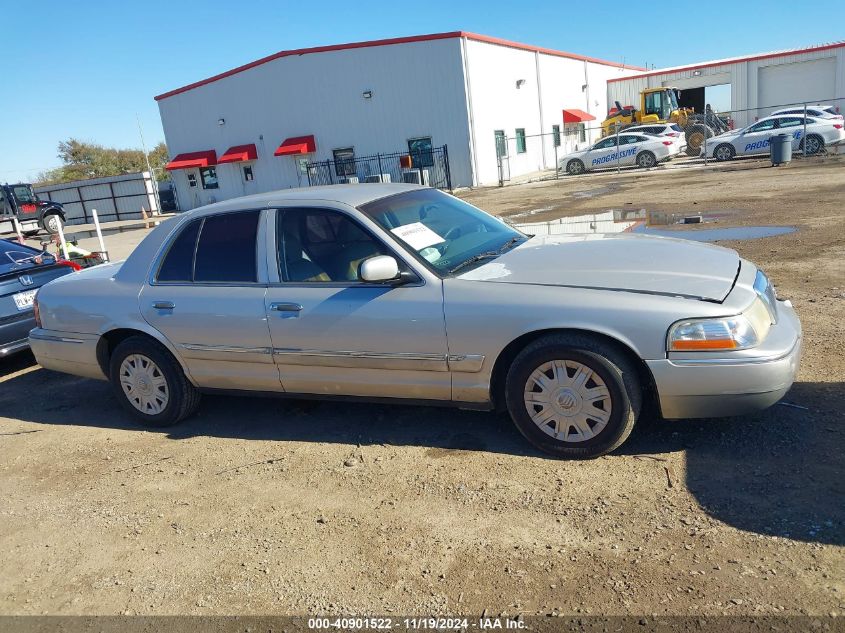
417,235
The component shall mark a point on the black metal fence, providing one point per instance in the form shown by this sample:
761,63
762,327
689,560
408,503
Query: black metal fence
428,167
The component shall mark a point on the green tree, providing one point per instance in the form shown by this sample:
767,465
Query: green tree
90,160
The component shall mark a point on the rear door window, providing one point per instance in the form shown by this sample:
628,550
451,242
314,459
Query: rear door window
226,248
178,264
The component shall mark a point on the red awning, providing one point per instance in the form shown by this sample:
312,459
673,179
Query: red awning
193,159
574,115
296,145
238,154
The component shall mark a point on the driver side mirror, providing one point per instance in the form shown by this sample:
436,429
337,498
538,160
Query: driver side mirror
380,269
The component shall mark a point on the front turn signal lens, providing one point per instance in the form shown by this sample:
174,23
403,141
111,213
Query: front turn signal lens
702,335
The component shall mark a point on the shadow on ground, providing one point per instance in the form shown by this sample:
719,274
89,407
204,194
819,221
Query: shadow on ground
777,473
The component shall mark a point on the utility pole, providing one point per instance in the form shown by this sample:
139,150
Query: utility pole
149,167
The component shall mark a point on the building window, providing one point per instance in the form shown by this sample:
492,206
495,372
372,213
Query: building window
248,176
192,180
344,161
582,132
556,135
420,151
520,140
208,176
501,144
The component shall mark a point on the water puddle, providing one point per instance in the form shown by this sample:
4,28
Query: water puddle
653,223
715,235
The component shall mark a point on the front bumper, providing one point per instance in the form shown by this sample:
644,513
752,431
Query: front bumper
67,352
712,386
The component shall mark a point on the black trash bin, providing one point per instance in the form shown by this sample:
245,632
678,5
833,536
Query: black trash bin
780,149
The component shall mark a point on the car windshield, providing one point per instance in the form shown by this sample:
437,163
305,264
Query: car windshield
447,233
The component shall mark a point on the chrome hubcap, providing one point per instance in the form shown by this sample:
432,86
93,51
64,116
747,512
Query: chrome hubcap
812,145
575,168
53,223
723,153
567,400
144,384
646,160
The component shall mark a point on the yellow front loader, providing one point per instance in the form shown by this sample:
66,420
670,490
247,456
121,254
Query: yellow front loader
660,105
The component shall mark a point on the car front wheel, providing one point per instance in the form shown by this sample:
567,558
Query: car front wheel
575,167
150,383
573,396
52,223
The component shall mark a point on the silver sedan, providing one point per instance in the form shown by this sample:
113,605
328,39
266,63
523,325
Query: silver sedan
406,293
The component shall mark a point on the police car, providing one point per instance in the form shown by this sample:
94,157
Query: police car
642,150
754,139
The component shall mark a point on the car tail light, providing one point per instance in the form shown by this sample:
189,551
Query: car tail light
675,134
668,143
69,264
838,126
36,311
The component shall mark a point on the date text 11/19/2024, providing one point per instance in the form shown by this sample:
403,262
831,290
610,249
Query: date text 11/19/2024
415,624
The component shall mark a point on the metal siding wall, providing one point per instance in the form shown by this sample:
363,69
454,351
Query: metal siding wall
418,90
96,194
744,74
499,105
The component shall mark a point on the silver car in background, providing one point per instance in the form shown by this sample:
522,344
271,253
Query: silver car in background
399,292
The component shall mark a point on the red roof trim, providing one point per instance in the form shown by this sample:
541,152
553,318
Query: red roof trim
574,115
388,42
296,145
193,159
736,60
239,154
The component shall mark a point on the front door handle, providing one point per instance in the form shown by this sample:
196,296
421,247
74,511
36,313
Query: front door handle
163,305
286,307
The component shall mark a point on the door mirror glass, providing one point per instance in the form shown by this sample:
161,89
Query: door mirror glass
379,268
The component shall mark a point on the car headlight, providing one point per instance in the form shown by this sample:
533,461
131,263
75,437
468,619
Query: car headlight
766,291
723,333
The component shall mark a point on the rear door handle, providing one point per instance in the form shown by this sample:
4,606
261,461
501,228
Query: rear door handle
163,305
286,307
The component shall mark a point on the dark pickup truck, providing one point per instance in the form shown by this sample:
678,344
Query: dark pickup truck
19,201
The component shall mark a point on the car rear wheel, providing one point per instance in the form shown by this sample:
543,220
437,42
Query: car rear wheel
646,160
573,396
575,167
814,144
150,384
52,223
724,152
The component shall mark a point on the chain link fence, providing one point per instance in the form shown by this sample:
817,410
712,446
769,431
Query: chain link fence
815,127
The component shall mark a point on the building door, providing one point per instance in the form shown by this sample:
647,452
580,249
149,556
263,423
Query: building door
502,159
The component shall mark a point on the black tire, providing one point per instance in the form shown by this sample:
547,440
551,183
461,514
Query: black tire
646,160
724,152
696,133
50,221
612,367
575,167
183,397
815,145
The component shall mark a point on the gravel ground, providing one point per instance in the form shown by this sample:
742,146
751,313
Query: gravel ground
279,507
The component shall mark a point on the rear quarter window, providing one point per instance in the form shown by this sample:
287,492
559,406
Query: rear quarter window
179,261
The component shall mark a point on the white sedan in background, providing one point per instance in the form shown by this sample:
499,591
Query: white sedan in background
817,111
672,130
754,139
625,150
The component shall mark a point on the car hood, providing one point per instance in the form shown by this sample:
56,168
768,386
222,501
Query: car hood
619,262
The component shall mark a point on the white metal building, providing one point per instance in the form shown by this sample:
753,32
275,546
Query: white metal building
247,130
758,84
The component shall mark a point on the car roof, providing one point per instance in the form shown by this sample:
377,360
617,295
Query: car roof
352,194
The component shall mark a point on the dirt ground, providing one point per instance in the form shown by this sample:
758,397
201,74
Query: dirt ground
278,507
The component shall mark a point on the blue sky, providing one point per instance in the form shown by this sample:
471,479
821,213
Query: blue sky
85,69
